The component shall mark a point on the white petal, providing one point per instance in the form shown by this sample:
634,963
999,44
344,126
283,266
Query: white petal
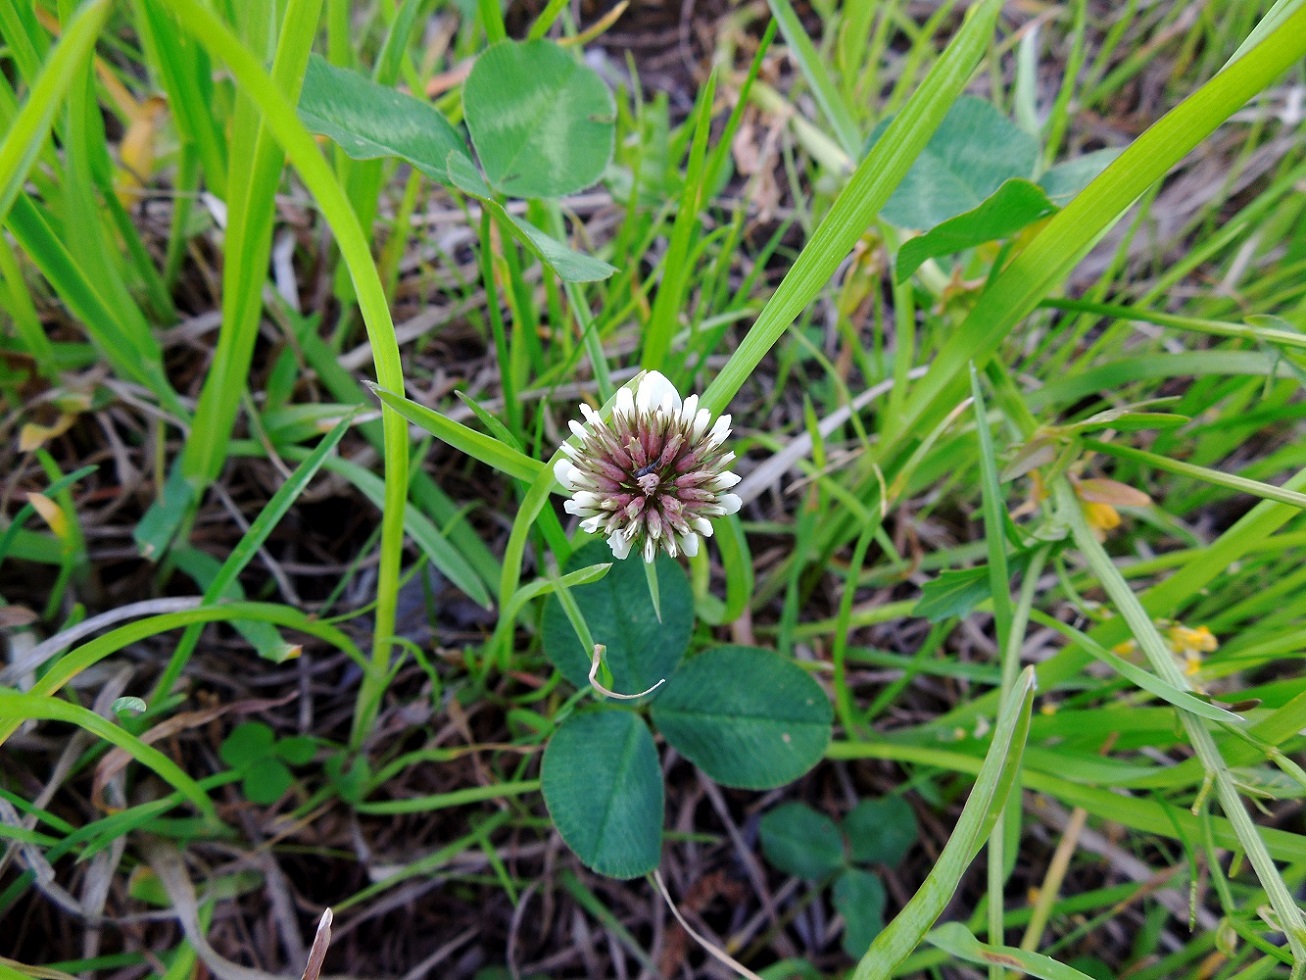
654,389
587,499
650,550
720,430
689,410
591,524
625,403
701,422
725,481
619,543
689,544
577,429
669,406
591,416
702,525
730,503
570,451
562,471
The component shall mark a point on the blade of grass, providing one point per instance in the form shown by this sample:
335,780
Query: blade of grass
868,189
677,262
998,776
1072,231
247,247
813,66
17,707
489,450
282,121
249,544
1291,921
955,938
27,133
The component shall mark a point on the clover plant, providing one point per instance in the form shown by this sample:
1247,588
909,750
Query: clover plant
253,750
798,840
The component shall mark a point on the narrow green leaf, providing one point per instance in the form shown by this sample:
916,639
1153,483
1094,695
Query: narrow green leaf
813,67
1069,234
1231,481
17,707
998,775
869,187
955,938
26,134
478,445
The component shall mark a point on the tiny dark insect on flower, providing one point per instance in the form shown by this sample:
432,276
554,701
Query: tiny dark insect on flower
652,476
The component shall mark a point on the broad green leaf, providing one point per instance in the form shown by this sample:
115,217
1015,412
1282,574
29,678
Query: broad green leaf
975,149
369,121
265,781
801,842
603,788
881,831
1017,204
570,265
1065,180
543,123
955,938
859,897
298,750
748,718
247,744
619,612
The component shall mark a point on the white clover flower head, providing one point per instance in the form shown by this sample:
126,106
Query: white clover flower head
653,475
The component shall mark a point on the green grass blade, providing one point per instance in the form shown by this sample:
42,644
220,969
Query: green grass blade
869,188
27,133
1070,233
676,264
956,939
1266,491
248,244
249,544
17,707
813,66
998,776
281,120
489,450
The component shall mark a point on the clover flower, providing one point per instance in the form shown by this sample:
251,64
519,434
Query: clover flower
653,475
